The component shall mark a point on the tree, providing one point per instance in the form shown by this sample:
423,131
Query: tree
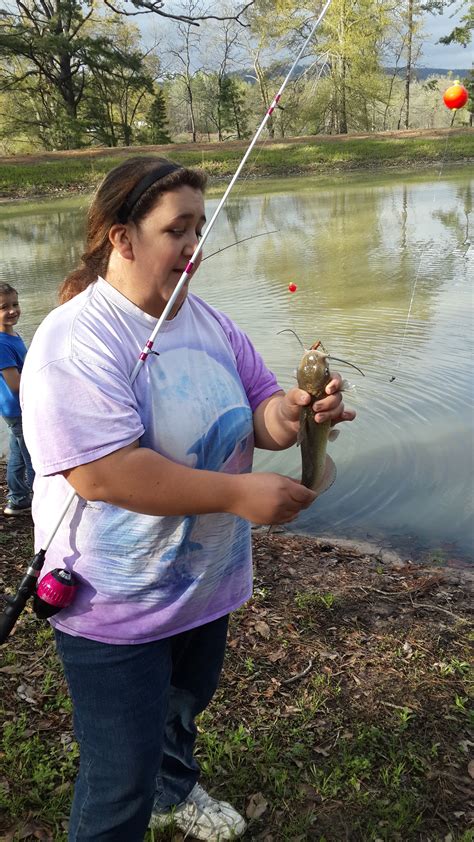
233,115
263,88
117,91
184,57
351,35
221,61
157,119
468,83
58,44
462,33
409,42
32,114
157,7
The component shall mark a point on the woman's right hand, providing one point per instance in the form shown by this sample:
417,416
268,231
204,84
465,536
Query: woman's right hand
267,498
140,480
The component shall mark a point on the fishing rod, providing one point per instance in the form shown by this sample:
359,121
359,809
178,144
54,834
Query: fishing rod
57,589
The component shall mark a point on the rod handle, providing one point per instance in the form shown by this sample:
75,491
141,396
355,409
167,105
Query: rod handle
16,604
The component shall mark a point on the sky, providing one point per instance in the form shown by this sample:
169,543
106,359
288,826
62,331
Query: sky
434,55
439,55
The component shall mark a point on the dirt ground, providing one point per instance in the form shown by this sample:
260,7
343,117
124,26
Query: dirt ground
382,640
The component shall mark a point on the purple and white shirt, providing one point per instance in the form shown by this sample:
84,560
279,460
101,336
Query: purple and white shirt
141,577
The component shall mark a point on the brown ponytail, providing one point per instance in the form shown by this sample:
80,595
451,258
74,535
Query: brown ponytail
104,211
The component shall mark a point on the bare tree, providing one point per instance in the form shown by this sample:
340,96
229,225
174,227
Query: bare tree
409,60
222,62
185,58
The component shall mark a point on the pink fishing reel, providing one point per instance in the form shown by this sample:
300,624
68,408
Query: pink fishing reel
55,591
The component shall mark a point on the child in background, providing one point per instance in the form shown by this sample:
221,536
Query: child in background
20,474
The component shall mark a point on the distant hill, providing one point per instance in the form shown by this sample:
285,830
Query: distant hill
427,72
418,72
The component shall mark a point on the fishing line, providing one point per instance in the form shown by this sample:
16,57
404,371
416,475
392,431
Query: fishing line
422,255
238,242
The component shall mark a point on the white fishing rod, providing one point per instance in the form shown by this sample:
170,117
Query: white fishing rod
56,590
190,266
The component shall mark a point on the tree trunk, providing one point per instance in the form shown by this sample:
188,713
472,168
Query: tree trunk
342,73
409,58
219,112
343,109
192,117
264,95
236,118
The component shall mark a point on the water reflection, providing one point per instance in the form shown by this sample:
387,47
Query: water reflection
384,274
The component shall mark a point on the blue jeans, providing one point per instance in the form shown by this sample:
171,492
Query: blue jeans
20,473
134,710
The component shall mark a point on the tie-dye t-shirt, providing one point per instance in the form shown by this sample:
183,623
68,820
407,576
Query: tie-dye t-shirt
141,577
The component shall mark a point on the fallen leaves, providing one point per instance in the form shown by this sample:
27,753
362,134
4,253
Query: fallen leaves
256,806
262,628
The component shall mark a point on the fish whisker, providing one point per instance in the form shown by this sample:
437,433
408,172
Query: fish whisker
289,330
338,360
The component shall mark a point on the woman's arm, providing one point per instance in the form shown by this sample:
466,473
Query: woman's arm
276,420
141,480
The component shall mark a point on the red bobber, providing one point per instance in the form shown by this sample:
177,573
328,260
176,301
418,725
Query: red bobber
292,287
455,96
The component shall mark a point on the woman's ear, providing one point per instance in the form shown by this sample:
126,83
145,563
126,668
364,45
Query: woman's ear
121,242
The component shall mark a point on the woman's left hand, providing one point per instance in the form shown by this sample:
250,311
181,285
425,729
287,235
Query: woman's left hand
330,408
277,419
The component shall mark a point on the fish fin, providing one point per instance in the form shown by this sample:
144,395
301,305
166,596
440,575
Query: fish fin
333,435
329,477
303,428
346,386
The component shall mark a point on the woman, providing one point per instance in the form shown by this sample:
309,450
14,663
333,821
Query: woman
160,536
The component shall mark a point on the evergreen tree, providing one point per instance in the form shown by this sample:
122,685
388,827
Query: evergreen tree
157,119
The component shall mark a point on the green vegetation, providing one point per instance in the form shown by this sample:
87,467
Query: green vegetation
299,760
62,173
84,77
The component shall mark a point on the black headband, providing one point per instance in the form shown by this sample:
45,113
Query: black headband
127,206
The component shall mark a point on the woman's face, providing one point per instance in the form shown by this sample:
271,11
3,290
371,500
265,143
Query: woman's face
163,242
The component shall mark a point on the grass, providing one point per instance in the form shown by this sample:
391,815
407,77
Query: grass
67,172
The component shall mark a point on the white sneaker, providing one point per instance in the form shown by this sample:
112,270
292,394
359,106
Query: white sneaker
202,817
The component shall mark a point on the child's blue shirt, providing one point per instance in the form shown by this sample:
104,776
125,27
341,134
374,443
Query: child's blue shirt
12,355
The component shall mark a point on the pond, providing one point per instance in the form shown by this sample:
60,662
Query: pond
384,269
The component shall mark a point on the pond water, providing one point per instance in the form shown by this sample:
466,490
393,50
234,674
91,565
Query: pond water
384,274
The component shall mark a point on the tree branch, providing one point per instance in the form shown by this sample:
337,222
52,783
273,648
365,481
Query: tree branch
145,7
